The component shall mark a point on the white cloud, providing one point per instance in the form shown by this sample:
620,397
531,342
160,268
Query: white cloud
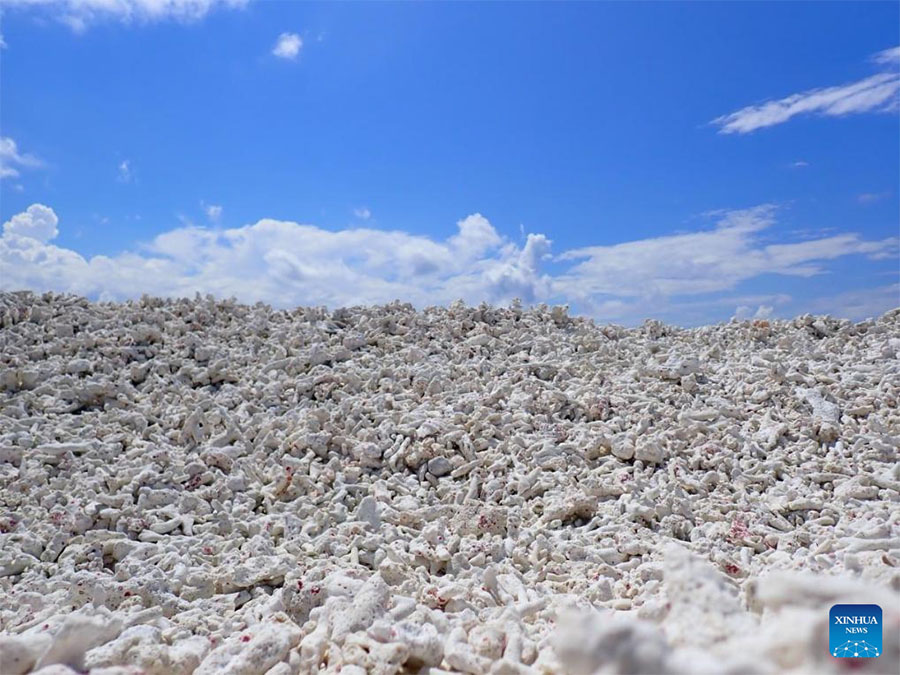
12,161
745,312
79,14
125,173
518,276
476,236
362,213
877,93
685,310
286,263
872,197
888,56
37,222
859,304
685,278
288,46
710,261
213,212
800,164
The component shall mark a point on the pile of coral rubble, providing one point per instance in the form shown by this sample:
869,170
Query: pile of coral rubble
199,486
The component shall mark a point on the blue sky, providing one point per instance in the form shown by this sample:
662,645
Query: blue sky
683,161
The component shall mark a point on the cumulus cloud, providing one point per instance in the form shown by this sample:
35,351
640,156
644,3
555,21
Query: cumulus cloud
37,222
287,264
877,93
12,161
79,14
518,277
685,278
476,236
287,46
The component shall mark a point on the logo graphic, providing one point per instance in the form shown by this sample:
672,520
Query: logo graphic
854,631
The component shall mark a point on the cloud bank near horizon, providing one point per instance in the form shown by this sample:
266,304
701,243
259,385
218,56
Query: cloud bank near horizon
286,264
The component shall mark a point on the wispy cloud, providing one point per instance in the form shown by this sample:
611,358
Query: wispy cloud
288,46
705,261
872,197
648,274
877,93
213,211
688,277
125,172
362,213
80,14
859,304
888,56
799,164
12,162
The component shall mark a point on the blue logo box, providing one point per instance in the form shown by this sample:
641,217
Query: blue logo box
854,631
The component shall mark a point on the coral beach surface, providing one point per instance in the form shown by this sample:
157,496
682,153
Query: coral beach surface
199,486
